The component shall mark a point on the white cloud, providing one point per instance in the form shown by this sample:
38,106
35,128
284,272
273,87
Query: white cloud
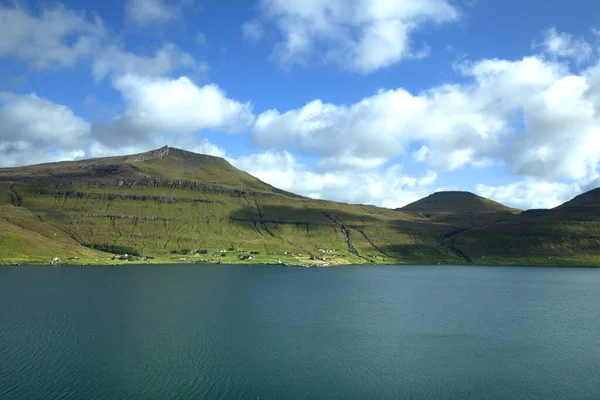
97,149
32,118
532,115
57,37
381,127
11,156
531,194
170,106
34,129
144,13
253,31
387,188
167,58
564,45
349,162
364,130
422,154
361,35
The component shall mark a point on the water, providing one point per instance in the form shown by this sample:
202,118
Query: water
217,332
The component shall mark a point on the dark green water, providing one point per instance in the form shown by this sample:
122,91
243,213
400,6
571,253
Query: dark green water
186,332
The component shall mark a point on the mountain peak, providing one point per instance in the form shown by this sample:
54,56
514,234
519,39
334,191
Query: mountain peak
166,166
586,201
167,151
453,201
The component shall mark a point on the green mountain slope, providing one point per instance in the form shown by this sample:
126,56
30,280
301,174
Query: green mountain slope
585,207
566,235
169,204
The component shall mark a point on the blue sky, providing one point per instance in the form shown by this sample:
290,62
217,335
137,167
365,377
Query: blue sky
362,101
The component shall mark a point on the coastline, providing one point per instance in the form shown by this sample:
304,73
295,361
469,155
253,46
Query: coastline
170,262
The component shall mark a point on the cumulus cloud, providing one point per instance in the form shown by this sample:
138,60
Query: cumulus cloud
24,154
564,45
32,118
34,129
57,37
338,132
61,38
170,106
531,194
422,154
349,162
382,126
361,35
167,58
388,187
532,115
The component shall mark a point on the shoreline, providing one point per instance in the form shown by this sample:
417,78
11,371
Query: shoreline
307,266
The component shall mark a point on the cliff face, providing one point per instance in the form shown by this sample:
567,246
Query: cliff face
168,201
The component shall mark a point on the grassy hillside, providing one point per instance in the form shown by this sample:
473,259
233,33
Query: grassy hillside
566,235
169,204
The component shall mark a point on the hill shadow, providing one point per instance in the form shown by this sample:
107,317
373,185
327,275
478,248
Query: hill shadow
282,214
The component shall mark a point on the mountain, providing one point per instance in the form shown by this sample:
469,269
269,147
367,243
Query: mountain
168,204
456,202
585,206
151,169
462,209
566,235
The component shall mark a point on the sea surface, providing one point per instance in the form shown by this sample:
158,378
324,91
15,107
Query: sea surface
260,332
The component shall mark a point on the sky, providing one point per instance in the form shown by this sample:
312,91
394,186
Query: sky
362,101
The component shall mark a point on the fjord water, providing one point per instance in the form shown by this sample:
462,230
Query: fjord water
224,332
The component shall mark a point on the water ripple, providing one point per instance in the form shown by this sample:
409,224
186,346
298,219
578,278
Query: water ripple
267,333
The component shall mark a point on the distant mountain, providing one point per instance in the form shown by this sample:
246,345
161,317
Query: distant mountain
171,205
566,235
585,206
456,202
462,210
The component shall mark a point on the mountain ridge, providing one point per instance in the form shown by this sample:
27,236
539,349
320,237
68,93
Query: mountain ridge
160,152
167,203
446,201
